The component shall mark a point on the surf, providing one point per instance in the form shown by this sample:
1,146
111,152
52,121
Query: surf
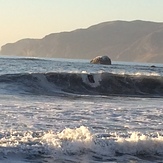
101,83
72,142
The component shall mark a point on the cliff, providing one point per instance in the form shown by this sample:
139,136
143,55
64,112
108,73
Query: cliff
139,41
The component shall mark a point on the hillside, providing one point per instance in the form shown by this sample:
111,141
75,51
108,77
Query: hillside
136,41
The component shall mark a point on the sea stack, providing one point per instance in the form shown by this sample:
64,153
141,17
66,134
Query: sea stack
105,60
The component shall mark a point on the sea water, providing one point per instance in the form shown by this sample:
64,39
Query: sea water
71,111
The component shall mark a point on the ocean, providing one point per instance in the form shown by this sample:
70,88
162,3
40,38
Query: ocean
71,111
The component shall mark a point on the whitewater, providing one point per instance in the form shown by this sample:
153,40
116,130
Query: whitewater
71,111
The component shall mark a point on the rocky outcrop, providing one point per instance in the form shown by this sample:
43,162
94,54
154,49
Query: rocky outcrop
105,60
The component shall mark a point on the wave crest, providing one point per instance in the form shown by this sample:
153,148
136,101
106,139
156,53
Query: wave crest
84,84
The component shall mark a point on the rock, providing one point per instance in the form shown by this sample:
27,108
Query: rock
105,60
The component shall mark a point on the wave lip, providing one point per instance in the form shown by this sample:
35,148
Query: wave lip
84,84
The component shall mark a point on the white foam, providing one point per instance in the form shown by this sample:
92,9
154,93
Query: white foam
146,74
81,141
141,144
44,83
136,73
69,140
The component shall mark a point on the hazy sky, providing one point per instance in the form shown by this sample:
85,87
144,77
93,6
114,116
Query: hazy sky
36,18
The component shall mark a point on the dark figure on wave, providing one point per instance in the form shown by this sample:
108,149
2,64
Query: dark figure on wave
105,60
91,79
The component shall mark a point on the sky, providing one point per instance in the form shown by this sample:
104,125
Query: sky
36,18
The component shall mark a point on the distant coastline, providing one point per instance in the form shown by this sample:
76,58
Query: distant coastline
129,41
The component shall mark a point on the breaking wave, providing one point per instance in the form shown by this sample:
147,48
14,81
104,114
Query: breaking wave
71,143
83,84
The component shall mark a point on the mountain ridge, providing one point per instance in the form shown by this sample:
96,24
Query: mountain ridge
133,41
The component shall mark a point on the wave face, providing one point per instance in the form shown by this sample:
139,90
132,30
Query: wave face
83,83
